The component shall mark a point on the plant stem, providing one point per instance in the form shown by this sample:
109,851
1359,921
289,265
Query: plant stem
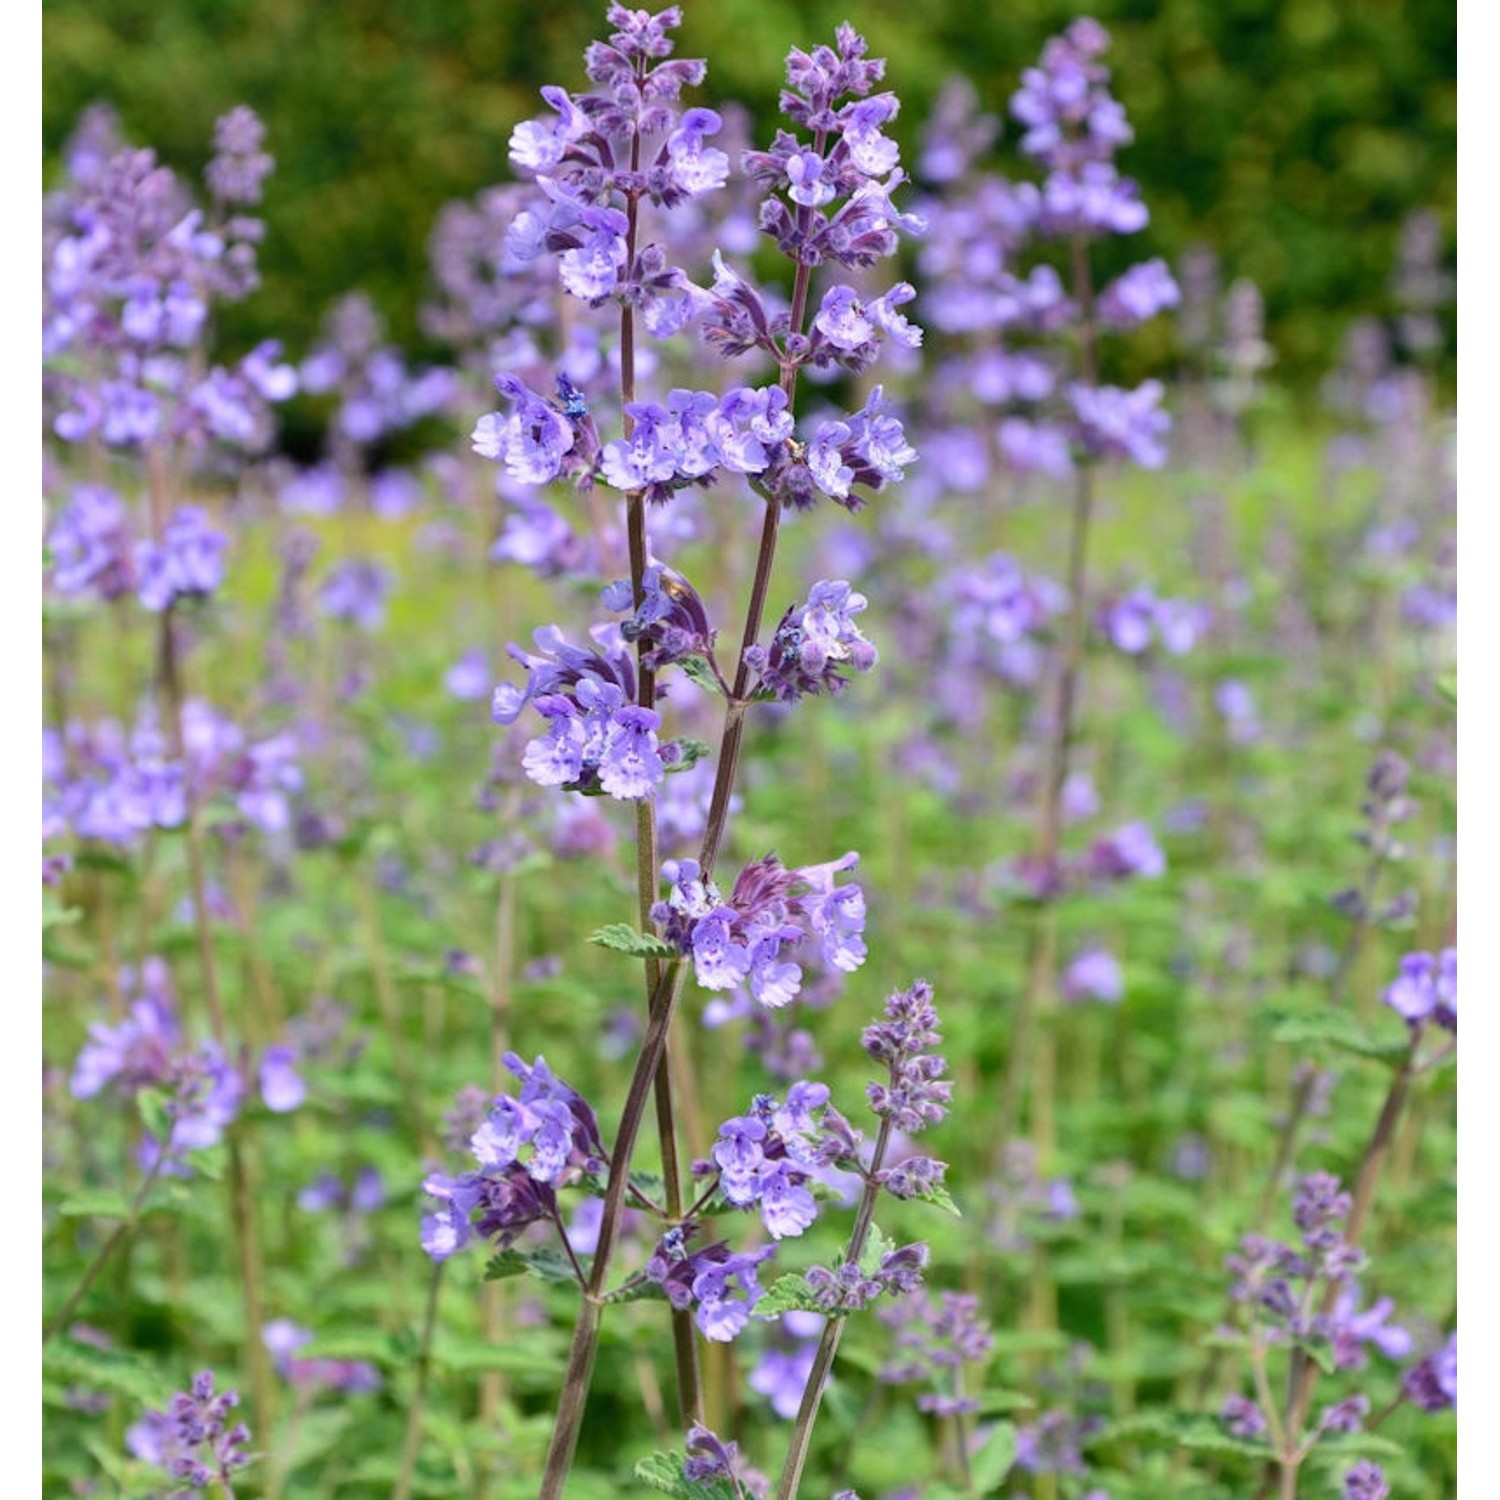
121,1232
418,1406
585,1345
647,854
1304,1373
1032,1053
833,1331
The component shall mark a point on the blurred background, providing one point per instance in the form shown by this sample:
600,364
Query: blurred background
1293,137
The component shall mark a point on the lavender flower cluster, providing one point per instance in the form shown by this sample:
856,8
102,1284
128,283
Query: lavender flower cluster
772,914
525,1148
131,269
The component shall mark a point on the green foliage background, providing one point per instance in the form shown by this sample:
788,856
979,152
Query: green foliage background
1292,135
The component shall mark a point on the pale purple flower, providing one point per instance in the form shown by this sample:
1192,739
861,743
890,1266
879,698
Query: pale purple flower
188,563
193,1441
281,1086
1427,990
1094,974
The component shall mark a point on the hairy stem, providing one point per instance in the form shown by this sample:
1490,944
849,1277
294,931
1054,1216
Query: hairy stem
585,1344
833,1331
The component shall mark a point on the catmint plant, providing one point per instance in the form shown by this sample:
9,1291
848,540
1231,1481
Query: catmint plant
608,166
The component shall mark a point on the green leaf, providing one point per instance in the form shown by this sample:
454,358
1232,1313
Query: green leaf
1346,1445
96,1203
789,1293
473,1356
995,1458
877,1246
663,1472
621,937
152,1106
692,752
1335,1031
546,1264
996,1402
940,1197
56,915
70,1363
641,1290
697,669
1319,1351
1447,689
1195,1430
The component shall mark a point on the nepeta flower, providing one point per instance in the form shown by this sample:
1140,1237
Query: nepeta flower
1366,1481
1131,851
766,1159
532,441
1427,990
671,622
599,739
721,1283
356,590
1114,423
1432,1384
916,1094
771,910
1094,974
814,644
934,1339
283,1338
193,1441
188,563
91,545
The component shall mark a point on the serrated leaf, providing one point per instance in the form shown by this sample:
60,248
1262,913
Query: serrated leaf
637,1291
96,1203
68,1362
153,1107
546,1264
877,1246
995,1458
690,752
1195,1430
789,1293
939,1197
621,937
1357,1445
1319,1351
1337,1031
663,1472
696,669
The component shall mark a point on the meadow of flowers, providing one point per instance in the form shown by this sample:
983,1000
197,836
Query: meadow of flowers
842,883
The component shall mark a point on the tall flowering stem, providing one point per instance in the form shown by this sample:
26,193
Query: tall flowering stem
1074,127
241,1199
915,1096
748,432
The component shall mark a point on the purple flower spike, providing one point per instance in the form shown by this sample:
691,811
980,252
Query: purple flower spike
1433,1384
1427,990
193,1441
189,563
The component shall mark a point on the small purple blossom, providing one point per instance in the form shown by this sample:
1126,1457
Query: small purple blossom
1432,1383
193,1441
814,645
1427,990
188,564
